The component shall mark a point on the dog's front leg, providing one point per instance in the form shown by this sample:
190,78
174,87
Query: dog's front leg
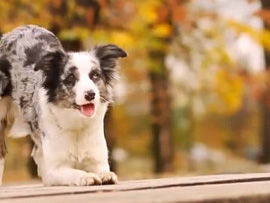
69,176
3,149
59,166
102,169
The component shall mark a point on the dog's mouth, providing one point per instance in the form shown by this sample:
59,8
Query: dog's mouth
88,109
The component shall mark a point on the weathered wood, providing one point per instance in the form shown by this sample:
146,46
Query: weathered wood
218,188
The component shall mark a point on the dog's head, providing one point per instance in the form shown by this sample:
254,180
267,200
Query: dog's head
80,80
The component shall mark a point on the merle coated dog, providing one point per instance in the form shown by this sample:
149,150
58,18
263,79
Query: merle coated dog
60,99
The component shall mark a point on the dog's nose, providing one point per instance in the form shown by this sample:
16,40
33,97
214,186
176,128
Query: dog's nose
89,95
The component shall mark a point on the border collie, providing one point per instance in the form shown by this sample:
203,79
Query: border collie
60,99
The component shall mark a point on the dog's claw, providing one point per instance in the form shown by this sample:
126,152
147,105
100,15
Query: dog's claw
90,179
108,178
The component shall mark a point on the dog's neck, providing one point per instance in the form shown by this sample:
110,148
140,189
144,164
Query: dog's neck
71,120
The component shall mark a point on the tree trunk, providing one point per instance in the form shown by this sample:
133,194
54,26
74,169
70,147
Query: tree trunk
265,158
161,115
31,164
110,136
266,103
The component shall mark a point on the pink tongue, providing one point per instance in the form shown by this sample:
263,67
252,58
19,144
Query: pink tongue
88,110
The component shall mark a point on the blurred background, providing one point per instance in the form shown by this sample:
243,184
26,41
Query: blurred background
194,92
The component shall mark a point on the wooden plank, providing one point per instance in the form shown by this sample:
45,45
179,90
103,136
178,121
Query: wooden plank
39,190
233,192
218,187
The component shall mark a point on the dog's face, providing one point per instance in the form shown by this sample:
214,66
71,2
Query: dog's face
80,80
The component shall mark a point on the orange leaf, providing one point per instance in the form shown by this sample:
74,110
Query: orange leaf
56,3
265,15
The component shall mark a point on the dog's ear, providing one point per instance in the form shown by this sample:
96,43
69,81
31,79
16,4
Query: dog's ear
107,56
109,51
50,60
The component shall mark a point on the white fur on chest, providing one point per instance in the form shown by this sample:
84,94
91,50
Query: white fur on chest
72,140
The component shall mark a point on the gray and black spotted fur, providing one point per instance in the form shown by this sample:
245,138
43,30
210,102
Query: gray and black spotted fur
31,57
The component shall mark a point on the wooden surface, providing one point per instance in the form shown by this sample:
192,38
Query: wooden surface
219,188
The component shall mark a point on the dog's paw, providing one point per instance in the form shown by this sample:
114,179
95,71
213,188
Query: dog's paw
90,179
108,178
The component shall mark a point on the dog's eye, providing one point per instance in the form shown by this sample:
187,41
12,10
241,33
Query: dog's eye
70,79
94,76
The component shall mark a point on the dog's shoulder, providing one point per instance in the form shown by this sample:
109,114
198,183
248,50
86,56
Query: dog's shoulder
29,40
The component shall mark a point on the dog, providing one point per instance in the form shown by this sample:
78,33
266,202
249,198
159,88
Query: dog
60,99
